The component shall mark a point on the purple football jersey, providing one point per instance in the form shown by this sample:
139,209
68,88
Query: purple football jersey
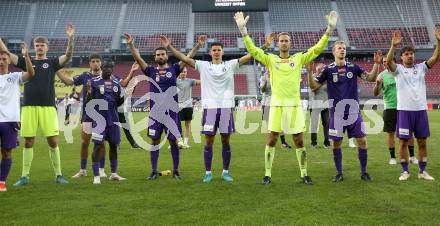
342,84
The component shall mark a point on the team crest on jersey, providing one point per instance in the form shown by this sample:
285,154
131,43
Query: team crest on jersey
224,69
101,89
45,65
415,72
292,65
9,80
168,75
350,74
115,89
335,77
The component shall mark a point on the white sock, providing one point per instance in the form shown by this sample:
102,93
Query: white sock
185,140
208,172
225,171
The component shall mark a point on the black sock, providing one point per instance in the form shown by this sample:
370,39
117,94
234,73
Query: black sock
283,139
411,151
392,152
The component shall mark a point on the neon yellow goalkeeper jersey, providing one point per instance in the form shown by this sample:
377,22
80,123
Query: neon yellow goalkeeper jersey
285,74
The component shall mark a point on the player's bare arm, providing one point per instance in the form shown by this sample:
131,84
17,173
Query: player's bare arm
127,79
13,57
30,72
70,31
395,41
200,43
135,52
166,43
372,75
436,55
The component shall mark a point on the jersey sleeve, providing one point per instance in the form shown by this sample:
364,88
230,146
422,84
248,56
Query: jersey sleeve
55,62
147,71
256,52
199,65
79,79
424,66
177,68
193,82
315,50
360,72
234,64
21,63
322,76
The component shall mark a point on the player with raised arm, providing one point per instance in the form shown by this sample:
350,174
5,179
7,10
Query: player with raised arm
217,84
10,108
285,76
387,83
164,106
412,117
266,91
38,109
345,115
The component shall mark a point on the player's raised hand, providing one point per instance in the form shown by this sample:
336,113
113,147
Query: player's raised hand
129,38
437,34
24,49
134,67
201,40
332,19
241,22
378,57
396,39
70,30
166,42
319,67
270,38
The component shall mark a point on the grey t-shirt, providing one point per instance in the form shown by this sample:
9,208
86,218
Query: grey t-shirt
184,92
319,98
265,101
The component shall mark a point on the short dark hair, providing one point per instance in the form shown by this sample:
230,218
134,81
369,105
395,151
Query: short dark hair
160,48
41,39
407,49
3,52
95,56
216,44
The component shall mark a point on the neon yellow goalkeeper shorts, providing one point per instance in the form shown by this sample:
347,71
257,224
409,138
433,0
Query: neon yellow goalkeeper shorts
290,120
34,117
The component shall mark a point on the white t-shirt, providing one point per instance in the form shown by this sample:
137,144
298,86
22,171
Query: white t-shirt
217,83
411,87
10,96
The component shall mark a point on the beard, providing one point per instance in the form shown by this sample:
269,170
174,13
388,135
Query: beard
161,62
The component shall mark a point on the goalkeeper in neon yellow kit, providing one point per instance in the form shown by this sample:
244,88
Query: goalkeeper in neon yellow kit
285,75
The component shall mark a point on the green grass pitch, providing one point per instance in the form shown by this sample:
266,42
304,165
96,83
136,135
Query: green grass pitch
385,201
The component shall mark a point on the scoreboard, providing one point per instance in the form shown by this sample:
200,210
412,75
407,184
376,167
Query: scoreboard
229,5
